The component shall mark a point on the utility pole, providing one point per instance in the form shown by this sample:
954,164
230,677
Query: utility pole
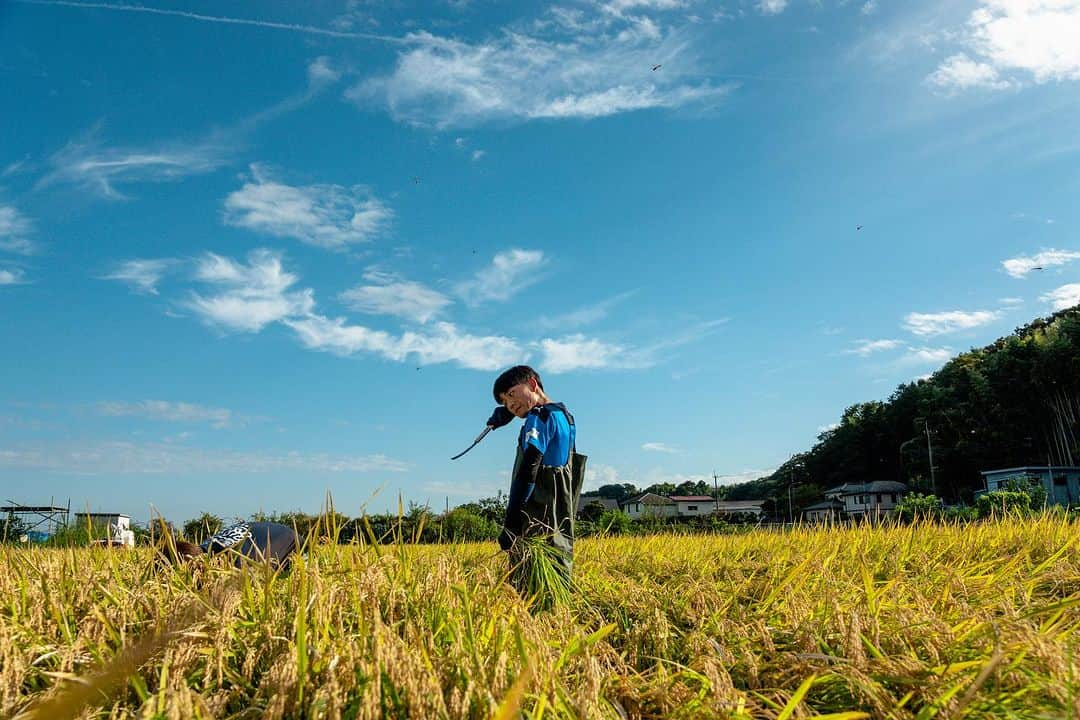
790,512
930,450
716,491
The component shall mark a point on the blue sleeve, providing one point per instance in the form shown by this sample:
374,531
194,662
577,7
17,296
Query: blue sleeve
537,432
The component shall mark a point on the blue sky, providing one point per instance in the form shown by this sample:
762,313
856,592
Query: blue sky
252,253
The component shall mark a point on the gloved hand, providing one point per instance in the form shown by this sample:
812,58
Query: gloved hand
501,416
506,539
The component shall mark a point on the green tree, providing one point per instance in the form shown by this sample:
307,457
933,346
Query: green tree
198,529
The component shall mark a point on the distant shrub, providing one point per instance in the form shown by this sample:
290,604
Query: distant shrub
916,506
1003,502
613,522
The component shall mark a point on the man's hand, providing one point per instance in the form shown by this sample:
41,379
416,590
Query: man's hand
501,416
506,539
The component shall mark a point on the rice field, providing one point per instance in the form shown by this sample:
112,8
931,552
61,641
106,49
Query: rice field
978,620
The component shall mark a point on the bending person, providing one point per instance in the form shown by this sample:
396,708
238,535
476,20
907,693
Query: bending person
267,542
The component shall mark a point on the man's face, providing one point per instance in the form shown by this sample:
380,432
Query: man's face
522,398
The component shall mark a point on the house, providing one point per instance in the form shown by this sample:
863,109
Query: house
117,524
1061,482
824,511
741,507
649,504
872,499
609,503
688,506
693,505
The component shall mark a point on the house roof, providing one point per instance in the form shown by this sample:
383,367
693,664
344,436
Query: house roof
651,499
877,486
739,505
690,498
609,503
1032,468
826,505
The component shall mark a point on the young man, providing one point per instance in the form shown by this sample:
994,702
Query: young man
546,481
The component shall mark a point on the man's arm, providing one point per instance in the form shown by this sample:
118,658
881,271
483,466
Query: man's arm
521,487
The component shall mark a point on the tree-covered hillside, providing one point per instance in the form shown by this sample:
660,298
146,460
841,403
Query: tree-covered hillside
1015,402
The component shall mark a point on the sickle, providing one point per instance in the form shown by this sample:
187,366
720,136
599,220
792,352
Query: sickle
475,442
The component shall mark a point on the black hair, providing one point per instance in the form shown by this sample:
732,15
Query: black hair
514,376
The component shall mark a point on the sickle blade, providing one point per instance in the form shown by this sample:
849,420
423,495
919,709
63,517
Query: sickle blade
474,444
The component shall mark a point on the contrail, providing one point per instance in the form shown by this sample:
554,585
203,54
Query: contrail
309,29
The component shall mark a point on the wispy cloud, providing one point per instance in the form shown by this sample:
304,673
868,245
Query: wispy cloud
86,163
585,315
199,17
89,164
1063,297
252,295
1021,265
1011,301
389,295
13,276
928,324
167,411
446,82
328,216
141,275
659,447
128,458
864,348
15,229
1013,41
443,343
509,273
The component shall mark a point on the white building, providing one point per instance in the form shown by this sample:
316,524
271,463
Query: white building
874,499
1061,482
118,526
649,504
693,505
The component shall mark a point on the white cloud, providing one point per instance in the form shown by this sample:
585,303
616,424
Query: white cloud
827,428
925,355
328,216
391,296
577,352
445,82
477,155
926,324
444,343
598,474
142,275
321,73
11,277
509,272
1011,301
772,7
863,348
1063,297
14,229
960,72
128,458
1030,39
659,447
869,7
1021,265
169,412
253,295
85,163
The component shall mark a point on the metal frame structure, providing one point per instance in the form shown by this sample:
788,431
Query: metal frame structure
52,516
